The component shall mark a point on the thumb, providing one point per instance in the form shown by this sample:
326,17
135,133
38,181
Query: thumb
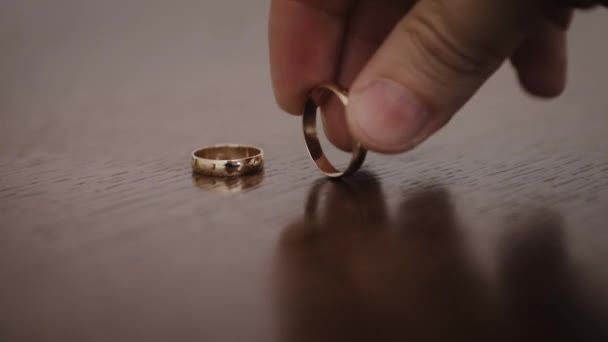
430,65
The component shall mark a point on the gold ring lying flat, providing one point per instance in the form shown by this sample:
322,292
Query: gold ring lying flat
227,160
312,140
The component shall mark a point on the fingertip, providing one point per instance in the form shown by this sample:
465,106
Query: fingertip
387,118
289,103
541,62
542,84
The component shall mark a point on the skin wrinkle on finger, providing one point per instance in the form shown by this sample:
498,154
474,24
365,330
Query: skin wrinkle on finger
430,61
442,48
431,78
442,52
458,58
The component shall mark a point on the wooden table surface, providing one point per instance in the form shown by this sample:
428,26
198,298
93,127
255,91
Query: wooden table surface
495,229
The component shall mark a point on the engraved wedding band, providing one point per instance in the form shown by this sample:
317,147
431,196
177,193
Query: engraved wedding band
227,160
312,140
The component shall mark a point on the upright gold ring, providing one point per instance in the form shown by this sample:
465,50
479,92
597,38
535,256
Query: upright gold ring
312,140
228,160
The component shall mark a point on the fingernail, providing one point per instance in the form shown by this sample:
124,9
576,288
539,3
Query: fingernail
387,114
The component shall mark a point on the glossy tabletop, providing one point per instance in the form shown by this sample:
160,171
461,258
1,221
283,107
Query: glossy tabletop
495,229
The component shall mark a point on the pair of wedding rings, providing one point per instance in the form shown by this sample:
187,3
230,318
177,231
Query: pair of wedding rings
238,160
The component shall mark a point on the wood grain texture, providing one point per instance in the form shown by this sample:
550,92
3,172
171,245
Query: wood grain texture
493,230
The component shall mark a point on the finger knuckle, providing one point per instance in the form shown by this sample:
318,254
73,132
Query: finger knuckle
445,49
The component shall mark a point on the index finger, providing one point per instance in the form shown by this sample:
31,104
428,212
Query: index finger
305,43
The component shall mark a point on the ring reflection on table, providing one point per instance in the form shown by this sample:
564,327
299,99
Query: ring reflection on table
349,271
228,184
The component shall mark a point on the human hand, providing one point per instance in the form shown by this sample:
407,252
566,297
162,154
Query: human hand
410,64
